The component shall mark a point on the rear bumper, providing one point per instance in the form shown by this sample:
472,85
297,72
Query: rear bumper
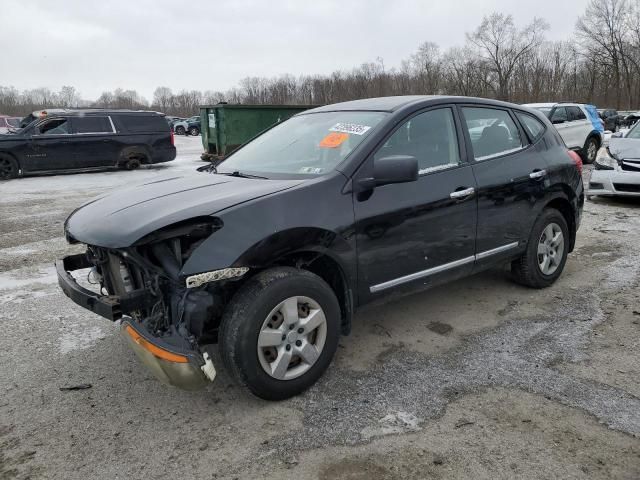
179,366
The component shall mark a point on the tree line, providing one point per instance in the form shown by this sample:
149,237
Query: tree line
600,64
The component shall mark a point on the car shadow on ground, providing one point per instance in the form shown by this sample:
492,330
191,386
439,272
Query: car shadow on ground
156,166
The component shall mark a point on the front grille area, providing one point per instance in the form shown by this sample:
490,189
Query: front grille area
630,166
627,187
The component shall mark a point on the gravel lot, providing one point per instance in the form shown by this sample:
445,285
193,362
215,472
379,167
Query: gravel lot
476,379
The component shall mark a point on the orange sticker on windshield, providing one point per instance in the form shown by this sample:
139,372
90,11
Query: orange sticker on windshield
333,140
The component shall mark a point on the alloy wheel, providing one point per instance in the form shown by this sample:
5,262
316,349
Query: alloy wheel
291,338
7,168
592,151
550,249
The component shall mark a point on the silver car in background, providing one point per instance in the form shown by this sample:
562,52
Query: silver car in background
617,167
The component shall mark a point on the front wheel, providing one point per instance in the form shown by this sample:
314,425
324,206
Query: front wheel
8,168
546,254
590,151
280,332
180,130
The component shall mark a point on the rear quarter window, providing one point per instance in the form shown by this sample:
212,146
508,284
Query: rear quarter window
141,123
533,126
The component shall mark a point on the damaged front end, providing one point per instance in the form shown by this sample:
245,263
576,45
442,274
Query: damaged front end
166,318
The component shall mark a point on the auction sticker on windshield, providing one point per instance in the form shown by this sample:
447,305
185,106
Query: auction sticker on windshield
334,140
350,128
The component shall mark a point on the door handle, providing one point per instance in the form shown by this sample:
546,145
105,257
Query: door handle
537,174
458,194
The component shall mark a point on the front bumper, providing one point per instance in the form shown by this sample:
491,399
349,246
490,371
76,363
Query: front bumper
178,366
614,183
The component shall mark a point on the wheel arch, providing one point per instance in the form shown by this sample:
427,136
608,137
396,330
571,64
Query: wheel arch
563,205
135,151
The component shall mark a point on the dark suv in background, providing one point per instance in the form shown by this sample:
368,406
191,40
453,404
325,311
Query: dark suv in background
86,139
272,252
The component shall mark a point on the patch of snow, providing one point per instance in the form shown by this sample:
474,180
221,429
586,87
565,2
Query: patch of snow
393,423
11,280
80,338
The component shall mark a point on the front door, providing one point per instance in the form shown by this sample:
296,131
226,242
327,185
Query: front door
49,147
419,233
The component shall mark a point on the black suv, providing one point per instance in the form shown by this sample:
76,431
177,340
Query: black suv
86,139
271,252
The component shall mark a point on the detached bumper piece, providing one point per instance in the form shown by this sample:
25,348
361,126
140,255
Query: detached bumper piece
185,369
108,306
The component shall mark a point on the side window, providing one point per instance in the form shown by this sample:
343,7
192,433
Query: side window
430,137
141,123
533,126
493,132
56,126
575,113
559,115
92,125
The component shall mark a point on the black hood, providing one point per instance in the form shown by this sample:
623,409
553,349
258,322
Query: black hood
625,148
124,216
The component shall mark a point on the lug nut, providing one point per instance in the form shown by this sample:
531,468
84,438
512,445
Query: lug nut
298,343
284,337
300,330
291,327
288,347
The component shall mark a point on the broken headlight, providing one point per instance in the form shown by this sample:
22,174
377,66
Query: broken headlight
604,160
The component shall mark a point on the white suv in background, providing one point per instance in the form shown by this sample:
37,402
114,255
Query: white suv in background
578,124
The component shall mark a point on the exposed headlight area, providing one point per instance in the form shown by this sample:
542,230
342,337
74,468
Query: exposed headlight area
604,160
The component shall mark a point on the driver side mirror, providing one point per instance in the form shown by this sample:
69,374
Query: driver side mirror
391,169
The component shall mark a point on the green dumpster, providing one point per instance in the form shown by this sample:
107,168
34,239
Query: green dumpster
226,127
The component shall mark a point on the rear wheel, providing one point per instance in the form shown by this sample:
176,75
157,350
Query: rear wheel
194,131
590,150
8,168
546,253
280,332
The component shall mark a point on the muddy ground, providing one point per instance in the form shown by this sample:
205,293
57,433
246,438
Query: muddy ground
476,379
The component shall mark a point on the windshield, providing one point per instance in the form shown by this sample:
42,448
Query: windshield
545,110
634,132
311,144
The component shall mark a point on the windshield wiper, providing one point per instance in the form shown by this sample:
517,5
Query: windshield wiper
239,174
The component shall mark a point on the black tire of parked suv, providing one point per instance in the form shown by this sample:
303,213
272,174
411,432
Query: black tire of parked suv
590,150
244,317
194,131
526,269
8,167
180,130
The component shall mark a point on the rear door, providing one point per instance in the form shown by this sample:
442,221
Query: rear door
94,141
579,126
49,146
560,119
511,174
423,232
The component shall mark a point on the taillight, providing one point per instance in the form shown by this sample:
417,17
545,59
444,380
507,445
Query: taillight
173,139
576,159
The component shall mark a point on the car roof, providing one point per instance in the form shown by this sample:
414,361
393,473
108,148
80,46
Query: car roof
394,103
94,111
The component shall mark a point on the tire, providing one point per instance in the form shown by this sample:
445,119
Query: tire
194,131
527,270
8,167
180,130
257,308
590,150
132,164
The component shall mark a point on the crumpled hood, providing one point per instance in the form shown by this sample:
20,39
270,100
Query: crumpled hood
122,217
625,148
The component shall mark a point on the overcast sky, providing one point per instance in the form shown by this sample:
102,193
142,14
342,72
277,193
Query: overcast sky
211,45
